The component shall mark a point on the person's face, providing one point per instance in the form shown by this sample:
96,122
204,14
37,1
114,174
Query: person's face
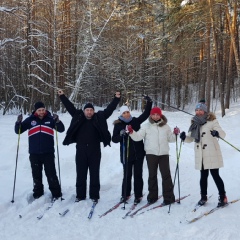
88,112
155,117
41,112
199,112
126,114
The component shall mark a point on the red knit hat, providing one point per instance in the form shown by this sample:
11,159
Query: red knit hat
156,110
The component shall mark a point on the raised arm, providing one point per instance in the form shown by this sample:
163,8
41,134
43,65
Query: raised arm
68,105
144,116
112,106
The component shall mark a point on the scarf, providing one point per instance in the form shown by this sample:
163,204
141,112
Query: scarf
125,120
195,127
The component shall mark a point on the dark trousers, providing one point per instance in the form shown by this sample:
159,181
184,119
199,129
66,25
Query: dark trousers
153,162
135,168
217,179
37,162
88,157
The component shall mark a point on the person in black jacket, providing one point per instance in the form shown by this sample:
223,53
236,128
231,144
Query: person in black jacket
134,151
87,129
40,126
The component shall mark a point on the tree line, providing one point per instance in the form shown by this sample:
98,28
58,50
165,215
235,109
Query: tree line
175,51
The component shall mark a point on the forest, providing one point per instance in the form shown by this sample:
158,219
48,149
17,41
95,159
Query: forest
175,51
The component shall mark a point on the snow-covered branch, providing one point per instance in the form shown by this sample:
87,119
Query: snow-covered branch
7,10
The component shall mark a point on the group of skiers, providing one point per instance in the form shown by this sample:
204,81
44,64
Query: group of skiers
89,128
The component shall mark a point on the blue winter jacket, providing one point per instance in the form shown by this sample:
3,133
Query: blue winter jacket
40,132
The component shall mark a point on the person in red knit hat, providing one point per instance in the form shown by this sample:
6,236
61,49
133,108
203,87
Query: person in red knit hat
157,134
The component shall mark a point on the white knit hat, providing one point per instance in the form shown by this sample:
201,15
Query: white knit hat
124,109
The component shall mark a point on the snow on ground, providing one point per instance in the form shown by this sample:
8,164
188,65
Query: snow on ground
155,224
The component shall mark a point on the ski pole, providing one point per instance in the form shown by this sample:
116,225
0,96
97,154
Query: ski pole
176,108
125,161
229,144
58,162
15,175
176,171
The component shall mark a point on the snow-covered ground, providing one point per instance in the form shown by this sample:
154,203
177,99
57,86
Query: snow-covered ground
155,224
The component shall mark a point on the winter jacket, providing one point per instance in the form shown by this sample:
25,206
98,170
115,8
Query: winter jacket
99,121
136,149
156,137
207,151
41,133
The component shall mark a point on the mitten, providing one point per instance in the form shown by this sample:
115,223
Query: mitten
129,129
176,130
215,133
183,136
19,118
123,132
56,118
147,98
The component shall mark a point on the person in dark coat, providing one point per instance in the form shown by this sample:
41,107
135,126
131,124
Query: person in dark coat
134,151
40,126
88,129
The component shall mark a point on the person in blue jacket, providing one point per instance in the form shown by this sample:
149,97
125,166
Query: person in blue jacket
40,125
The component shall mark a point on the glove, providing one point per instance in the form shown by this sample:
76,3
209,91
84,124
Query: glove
129,129
176,130
147,98
215,133
19,118
183,136
56,118
123,132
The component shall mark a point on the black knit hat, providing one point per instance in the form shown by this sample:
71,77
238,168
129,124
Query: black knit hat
88,105
38,105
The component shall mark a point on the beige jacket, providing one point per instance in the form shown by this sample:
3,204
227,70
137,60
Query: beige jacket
207,151
156,137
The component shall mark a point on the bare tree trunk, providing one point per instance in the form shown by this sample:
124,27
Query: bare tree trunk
219,70
232,29
208,60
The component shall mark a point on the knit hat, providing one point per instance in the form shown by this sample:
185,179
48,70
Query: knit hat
88,105
201,106
38,105
124,109
156,110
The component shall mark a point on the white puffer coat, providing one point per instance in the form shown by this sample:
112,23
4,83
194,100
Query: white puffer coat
207,151
156,137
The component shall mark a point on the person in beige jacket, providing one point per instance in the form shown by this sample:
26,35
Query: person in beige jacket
205,130
157,135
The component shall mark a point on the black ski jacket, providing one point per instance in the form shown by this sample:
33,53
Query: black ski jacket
99,121
136,149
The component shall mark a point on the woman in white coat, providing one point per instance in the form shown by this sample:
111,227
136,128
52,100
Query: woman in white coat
157,135
208,157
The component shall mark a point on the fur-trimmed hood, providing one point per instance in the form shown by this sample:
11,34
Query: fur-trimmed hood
163,121
117,121
211,116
